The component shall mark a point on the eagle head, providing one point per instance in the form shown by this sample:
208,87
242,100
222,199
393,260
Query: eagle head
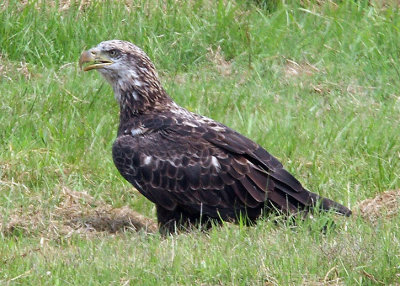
126,67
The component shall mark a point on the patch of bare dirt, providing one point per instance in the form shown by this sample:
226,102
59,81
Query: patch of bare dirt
77,213
385,205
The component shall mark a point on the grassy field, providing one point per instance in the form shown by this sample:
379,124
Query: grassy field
317,84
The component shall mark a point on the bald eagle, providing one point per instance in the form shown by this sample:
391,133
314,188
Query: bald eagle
194,169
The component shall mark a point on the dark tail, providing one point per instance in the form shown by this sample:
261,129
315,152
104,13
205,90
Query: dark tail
328,205
287,193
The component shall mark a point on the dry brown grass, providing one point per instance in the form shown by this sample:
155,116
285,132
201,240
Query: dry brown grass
294,69
216,57
82,5
316,5
385,205
61,4
9,69
77,213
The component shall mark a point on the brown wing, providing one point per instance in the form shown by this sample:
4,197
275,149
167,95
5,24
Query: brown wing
283,189
179,167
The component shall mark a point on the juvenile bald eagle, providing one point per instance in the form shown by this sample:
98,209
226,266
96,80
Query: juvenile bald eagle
191,167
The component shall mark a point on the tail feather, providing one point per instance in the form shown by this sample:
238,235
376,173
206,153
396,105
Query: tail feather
303,200
287,188
329,205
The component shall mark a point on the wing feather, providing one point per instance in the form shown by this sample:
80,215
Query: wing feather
258,194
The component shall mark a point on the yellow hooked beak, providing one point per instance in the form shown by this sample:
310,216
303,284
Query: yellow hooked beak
93,59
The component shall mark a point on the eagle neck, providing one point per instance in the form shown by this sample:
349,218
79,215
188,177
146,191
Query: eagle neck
141,100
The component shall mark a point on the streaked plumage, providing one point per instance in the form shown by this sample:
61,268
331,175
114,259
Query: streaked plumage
192,167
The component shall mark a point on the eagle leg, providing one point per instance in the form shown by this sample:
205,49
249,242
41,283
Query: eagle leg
177,220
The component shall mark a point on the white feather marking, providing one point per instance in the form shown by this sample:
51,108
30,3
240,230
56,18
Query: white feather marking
133,74
137,183
117,96
147,160
191,124
136,131
137,83
171,162
251,164
218,128
211,123
215,163
135,95
120,83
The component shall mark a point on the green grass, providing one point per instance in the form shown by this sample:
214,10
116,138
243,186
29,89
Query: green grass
335,125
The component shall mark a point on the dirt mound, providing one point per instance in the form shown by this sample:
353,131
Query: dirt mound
78,213
384,205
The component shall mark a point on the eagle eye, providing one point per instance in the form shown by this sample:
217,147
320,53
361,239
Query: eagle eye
113,53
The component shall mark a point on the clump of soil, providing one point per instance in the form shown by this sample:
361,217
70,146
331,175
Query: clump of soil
77,213
385,205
